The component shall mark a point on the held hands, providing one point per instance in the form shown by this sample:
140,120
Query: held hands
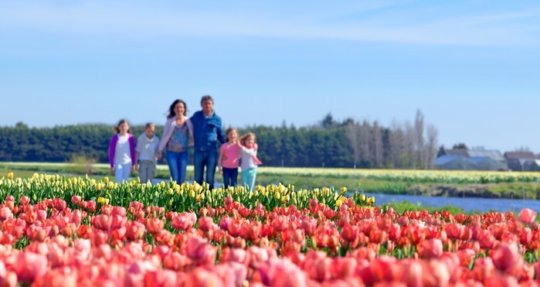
112,170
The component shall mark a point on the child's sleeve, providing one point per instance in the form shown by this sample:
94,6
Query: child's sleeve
132,150
112,149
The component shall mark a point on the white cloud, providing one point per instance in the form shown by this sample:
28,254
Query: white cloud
131,20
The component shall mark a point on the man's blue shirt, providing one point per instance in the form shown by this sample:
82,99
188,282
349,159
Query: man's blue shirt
207,131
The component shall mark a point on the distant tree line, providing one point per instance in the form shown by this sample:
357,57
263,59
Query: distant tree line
330,143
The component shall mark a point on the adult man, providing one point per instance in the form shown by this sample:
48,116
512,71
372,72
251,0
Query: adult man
208,135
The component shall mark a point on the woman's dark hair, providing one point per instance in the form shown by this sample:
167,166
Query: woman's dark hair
120,122
171,108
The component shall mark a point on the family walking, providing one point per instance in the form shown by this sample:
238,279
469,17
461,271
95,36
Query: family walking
203,132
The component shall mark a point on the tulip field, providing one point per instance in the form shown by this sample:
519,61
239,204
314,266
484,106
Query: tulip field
493,184
82,231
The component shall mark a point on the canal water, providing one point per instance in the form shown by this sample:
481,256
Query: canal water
465,203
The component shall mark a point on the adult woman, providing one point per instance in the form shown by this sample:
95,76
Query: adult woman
177,137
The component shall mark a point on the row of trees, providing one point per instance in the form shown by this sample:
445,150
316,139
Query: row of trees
403,145
330,143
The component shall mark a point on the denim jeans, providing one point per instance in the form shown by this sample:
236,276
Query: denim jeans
248,177
122,172
177,162
230,176
206,158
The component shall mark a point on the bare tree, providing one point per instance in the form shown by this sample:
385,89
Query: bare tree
377,144
364,136
419,138
397,147
431,145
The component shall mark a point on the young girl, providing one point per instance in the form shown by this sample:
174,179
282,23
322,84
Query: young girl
228,158
147,144
248,156
122,157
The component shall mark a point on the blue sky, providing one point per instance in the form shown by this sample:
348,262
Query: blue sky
472,67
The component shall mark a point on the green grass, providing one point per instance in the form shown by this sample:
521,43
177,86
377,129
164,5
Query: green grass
403,206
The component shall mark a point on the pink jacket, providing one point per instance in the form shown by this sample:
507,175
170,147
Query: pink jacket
168,130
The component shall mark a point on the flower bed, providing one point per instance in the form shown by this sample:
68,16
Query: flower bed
242,241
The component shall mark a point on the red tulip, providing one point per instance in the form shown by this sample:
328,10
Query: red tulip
496,280
135,230
344,267
161,278
154,225
59,204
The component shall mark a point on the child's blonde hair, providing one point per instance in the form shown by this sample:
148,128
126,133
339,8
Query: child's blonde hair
245,137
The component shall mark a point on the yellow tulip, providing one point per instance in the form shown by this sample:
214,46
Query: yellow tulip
103,200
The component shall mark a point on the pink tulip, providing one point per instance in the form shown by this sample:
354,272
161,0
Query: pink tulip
527,215
234,255
184,221
63,277
432,248
30,266
202,278
282,272
102,222
506,258
5,213
24,200
76,200
199,250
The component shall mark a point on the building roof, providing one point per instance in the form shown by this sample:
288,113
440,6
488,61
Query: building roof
519,155
492,154
457,152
